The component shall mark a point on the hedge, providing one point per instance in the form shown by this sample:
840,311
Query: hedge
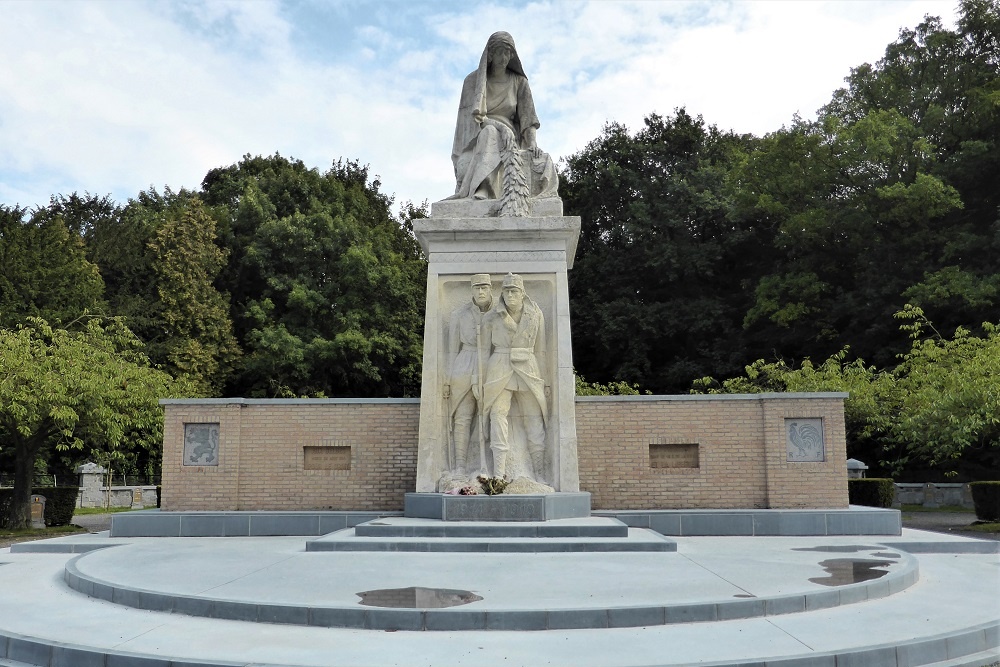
60,503
986,497
873,492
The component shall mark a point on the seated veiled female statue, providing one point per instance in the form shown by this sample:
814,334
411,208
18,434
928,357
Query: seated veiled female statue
495,154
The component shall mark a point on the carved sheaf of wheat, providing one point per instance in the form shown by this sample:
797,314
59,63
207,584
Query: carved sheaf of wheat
514,198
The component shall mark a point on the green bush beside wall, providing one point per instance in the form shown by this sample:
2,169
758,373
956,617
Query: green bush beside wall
873,492
986,497
60,503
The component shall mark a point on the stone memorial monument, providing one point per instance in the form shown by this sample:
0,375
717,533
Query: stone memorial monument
497,395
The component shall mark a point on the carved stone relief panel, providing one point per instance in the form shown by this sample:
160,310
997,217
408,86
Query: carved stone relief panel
201,444
804,438
497,369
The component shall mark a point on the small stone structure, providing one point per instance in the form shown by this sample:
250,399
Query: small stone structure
856,469
932,496
94,493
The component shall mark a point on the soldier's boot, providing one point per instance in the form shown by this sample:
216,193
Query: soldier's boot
499,464
538,464
461,452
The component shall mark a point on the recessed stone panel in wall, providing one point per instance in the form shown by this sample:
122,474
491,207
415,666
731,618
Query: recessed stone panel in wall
804,439
326,457
201,444
674,456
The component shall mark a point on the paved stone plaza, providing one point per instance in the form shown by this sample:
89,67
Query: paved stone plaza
931,600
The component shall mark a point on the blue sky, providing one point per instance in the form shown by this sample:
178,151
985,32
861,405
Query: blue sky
115,97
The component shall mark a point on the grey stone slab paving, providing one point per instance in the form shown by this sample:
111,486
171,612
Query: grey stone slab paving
955,593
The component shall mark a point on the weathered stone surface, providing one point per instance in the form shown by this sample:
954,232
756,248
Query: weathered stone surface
495,154
536,252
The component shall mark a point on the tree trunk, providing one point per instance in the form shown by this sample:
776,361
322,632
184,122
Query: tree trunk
19,514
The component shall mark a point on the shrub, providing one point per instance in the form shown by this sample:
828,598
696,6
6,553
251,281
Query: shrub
986,497
60,503
874,492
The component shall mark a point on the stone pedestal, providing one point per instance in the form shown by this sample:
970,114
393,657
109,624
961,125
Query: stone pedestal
91,485
459,241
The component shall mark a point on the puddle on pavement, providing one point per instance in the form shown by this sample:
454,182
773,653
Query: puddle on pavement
416,597
884,554
744,595
843,571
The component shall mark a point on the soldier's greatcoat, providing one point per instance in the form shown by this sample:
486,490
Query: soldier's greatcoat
515,347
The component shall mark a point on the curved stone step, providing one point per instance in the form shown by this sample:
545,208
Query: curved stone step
582,612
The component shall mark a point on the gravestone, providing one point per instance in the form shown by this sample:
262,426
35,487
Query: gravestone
497,393
37,511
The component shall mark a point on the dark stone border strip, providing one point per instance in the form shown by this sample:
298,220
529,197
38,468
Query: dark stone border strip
855,520
155,523
370,618
968,643
672,523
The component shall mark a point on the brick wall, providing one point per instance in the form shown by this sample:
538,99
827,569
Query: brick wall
741,453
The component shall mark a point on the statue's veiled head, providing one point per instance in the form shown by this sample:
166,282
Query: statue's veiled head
501,45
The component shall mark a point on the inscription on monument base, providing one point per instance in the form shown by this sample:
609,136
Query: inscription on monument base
673,456
494,508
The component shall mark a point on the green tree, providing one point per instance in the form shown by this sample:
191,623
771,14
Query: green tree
196,339
71,389
327,287
43,270
657,287
950,390
890,197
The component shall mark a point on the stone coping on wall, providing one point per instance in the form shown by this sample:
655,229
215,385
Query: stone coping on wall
582,399
283,401
798,395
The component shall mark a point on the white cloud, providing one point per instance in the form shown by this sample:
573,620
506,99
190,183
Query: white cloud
114,97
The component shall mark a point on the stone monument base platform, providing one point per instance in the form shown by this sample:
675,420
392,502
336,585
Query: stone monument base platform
540,507
591,534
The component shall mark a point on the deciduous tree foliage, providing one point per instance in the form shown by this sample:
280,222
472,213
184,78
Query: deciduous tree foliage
327,287
889,197
655,291
88,388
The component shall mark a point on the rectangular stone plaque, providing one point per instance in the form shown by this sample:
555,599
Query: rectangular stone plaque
327,458
804,439
496,508
201,444
673,456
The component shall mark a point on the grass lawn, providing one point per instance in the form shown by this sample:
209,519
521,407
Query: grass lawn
945,508
101,510
985,527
